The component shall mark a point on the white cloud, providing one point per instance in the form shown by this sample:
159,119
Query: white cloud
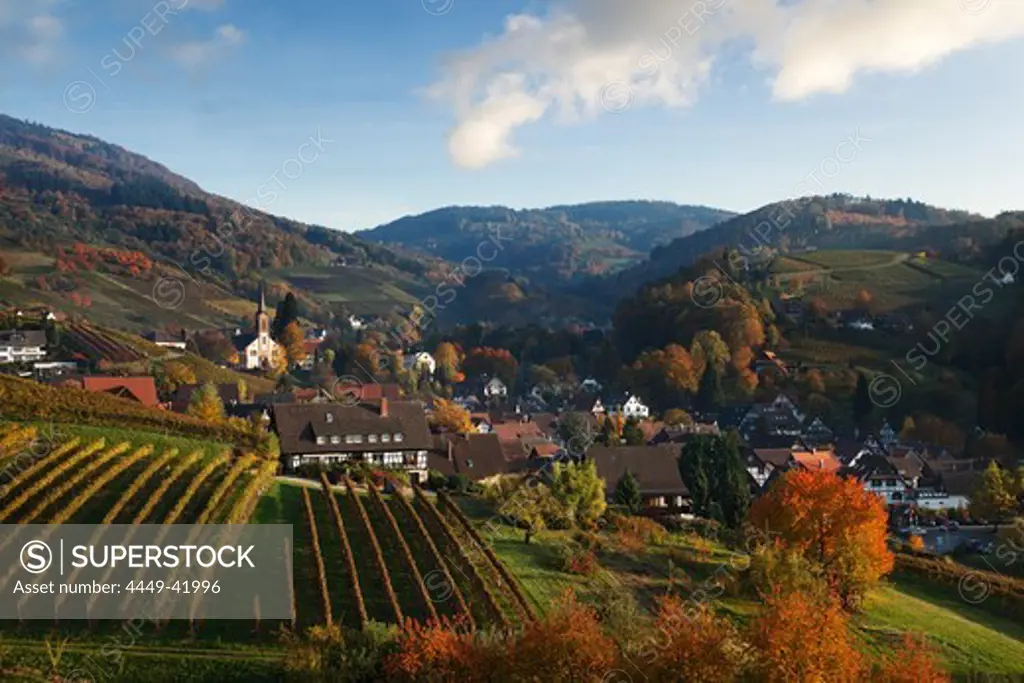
665,51
32,33
197,54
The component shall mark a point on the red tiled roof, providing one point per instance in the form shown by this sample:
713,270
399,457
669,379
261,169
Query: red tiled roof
817,460
141,389
511,431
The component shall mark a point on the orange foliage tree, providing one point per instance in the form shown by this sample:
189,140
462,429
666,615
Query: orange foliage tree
691,644
803,639
833,523
913,662
450,417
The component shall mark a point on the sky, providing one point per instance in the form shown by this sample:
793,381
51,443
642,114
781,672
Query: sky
351,114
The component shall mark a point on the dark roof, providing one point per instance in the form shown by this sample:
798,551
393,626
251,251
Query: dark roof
546,422
140,389
157,336
23,338
478,456
960,483
776,457
656,468
298,425
374,391
243,340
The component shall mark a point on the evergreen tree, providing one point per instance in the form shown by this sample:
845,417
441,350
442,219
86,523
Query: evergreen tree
710,396
862,404
731,482
693,466
287,313
632,433
609,436
627,493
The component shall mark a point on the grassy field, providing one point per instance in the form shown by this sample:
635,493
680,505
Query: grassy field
363,291
123,302
969,639
896,281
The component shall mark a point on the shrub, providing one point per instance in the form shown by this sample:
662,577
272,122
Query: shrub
691,643
459,483
578,560
436,480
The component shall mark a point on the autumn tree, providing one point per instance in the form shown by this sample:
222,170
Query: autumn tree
692,643
176,375
834,522
293,341
579,490
448,416
627,493
668,375
803,638
446,355
994,496
567,645
677,416
708,349
863,300
206,404
491,362
914,661
213,345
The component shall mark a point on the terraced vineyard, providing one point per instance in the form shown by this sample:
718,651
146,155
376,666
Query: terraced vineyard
363,557
359,555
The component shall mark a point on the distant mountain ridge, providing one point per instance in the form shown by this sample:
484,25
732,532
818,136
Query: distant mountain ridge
58,188
837,221
555,244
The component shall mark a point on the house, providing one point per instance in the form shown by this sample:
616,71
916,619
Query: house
22,346
480,457
356,323
781,417
628,405
880,477
495,388
47,370
656,469
166,339
591,386
256,349
817,433
388,434
419,363
138,389
680,434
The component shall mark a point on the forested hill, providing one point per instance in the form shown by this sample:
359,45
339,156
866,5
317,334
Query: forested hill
556,244
833,222
57,188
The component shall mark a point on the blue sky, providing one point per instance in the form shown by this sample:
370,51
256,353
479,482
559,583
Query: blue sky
419,110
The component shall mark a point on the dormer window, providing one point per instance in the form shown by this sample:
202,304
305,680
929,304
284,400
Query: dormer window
399,437
385,438
321,440
329,417
372,438
335,439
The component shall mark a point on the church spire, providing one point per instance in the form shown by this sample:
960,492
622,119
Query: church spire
263,300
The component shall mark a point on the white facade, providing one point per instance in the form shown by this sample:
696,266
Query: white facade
634,407
419,362
935,500
261,350
495,388
13,352
892,489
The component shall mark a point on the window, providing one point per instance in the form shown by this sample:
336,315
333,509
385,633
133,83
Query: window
385,438
371,438
335,439
399,437
321,440
329,417
354,438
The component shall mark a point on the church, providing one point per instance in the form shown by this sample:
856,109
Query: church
257,350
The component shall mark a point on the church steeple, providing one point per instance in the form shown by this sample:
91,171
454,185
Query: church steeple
262,318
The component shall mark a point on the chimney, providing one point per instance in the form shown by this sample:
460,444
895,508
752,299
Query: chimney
451,451
383,407
821,463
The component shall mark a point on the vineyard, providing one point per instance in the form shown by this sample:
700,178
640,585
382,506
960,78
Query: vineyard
95,343
362,557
